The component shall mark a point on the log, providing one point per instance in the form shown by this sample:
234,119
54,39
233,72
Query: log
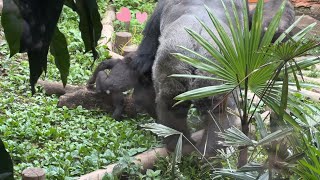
33,174
107,27
57,88
91,100
146,159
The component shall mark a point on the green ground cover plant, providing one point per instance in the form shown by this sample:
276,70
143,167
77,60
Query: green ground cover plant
66,143
70,143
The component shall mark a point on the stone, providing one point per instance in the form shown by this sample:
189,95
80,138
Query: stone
306,21
315,9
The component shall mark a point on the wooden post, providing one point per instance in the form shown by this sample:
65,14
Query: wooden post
33,174
122,39
129,49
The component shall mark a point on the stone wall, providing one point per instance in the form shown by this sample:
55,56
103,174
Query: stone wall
306,3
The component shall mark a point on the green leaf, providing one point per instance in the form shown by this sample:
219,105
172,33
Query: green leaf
160,130
279,134
11,21
178,150
205,92
59,49
71,4
90,24
298,36
284,94
287,31
234,137
273,26
251,167
195,76
260,125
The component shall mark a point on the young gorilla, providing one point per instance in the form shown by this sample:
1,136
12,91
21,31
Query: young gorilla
140,62
174,17
120,79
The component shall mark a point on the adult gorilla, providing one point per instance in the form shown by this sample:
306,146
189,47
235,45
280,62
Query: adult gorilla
176,16
168,22
164,32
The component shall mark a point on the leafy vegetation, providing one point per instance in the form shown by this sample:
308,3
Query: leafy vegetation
70,143
66,143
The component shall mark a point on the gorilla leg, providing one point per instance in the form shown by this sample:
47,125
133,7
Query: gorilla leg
117,96
217,119
101,84
173,117
166,89
118,104
144,97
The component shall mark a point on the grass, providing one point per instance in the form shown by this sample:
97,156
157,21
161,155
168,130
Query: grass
66,143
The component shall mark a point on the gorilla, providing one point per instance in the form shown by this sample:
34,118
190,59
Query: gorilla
122,78
269,11
153,63
115,82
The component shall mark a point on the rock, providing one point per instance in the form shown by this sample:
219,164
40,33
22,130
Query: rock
315,9
306,21
304,3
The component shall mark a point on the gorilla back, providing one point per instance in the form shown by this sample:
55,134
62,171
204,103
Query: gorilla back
176,16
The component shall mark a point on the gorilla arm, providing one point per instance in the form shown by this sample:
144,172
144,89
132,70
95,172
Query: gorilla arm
107,64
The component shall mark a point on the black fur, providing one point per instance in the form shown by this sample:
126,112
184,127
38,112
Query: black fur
122,78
